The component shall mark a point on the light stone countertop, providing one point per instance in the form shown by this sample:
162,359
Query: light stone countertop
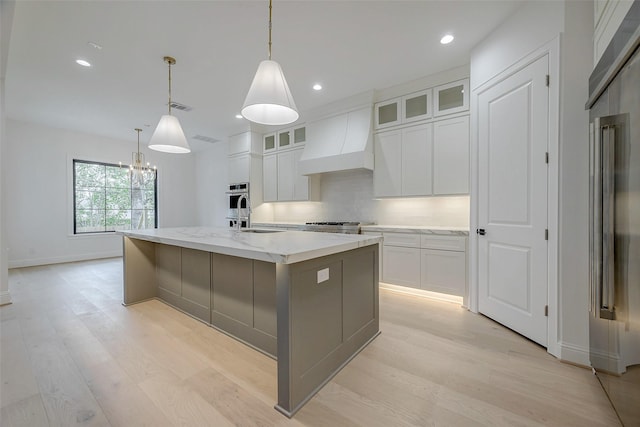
285,247
414,229
418,229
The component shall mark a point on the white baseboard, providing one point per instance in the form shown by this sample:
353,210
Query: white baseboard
5,298
575,354
62,259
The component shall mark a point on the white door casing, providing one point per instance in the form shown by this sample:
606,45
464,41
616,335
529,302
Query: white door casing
513,134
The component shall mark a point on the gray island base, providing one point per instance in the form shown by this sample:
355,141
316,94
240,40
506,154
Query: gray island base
310,300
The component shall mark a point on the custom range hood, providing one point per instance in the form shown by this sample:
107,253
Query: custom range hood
339,142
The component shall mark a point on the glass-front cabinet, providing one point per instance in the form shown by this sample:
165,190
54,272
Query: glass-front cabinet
388,113
416,106
269,142
451,98
284,138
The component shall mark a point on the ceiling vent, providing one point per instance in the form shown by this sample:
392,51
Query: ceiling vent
205,139
180,107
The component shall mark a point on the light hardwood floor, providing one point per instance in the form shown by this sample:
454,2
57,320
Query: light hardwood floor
71,354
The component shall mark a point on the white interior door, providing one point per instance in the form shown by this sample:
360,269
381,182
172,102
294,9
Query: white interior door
512,200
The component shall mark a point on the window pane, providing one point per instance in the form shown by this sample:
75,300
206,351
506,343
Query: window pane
149,184
117,177
88,221
118,220
88,199
150,218
89,175
118,198
150,199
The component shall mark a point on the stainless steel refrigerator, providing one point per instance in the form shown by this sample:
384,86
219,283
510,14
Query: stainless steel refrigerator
614,320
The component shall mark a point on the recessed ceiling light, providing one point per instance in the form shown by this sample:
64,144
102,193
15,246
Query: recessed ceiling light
446,39
83,63
238,116
317,86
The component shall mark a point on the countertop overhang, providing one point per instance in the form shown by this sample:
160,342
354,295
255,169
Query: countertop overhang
284,247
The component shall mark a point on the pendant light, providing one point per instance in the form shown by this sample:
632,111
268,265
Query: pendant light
168,136
269,101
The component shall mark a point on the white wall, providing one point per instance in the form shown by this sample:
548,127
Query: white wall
6,21
211,184
532,26
39,195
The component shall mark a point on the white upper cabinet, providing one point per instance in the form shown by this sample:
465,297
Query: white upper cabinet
403,162
387,113
284,139
269,142
451,98
405,109
451,156
416,106
270,178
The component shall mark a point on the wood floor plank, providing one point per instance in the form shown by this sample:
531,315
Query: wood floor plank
28,412
18,380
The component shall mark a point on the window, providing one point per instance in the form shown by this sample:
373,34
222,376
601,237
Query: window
108,197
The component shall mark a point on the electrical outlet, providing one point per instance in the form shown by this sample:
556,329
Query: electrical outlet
323,275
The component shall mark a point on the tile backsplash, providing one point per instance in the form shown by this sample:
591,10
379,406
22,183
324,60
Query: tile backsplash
348,196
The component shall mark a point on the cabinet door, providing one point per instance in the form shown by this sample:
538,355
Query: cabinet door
443,271
240,143
285,176
269,142
270,178
387,172
416,106
451,98
388,113
239,168
401,266
299,135
451,156
300,182
284,139
417,161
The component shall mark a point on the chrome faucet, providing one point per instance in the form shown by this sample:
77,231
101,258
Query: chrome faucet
238,220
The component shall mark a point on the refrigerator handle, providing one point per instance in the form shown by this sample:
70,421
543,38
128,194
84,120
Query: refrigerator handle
595,237
607,287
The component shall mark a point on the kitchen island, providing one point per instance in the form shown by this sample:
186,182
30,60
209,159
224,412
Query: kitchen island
310,300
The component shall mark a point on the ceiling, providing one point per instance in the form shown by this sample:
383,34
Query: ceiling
348,46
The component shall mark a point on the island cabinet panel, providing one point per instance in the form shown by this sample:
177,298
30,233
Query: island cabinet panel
183,279
317,307
196,283
168,271
327,311
139,270
264,297
243,300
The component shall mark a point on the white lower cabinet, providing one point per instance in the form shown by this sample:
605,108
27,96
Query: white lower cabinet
401,266
443,271
429,262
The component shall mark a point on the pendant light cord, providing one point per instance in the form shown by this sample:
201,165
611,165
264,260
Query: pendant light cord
169,87
269,30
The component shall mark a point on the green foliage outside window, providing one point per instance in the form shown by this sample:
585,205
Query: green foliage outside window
106,198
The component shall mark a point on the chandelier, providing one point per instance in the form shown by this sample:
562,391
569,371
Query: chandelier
139,171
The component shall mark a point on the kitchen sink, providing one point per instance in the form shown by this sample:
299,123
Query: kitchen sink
259,230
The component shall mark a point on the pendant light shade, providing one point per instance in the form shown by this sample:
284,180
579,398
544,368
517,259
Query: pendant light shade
168,136
269,101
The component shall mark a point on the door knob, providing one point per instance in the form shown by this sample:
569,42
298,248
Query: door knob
481,231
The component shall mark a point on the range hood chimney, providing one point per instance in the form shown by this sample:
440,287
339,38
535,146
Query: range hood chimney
339,142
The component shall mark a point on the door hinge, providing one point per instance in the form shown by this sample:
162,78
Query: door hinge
546,310
546,234
548,79
546,157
